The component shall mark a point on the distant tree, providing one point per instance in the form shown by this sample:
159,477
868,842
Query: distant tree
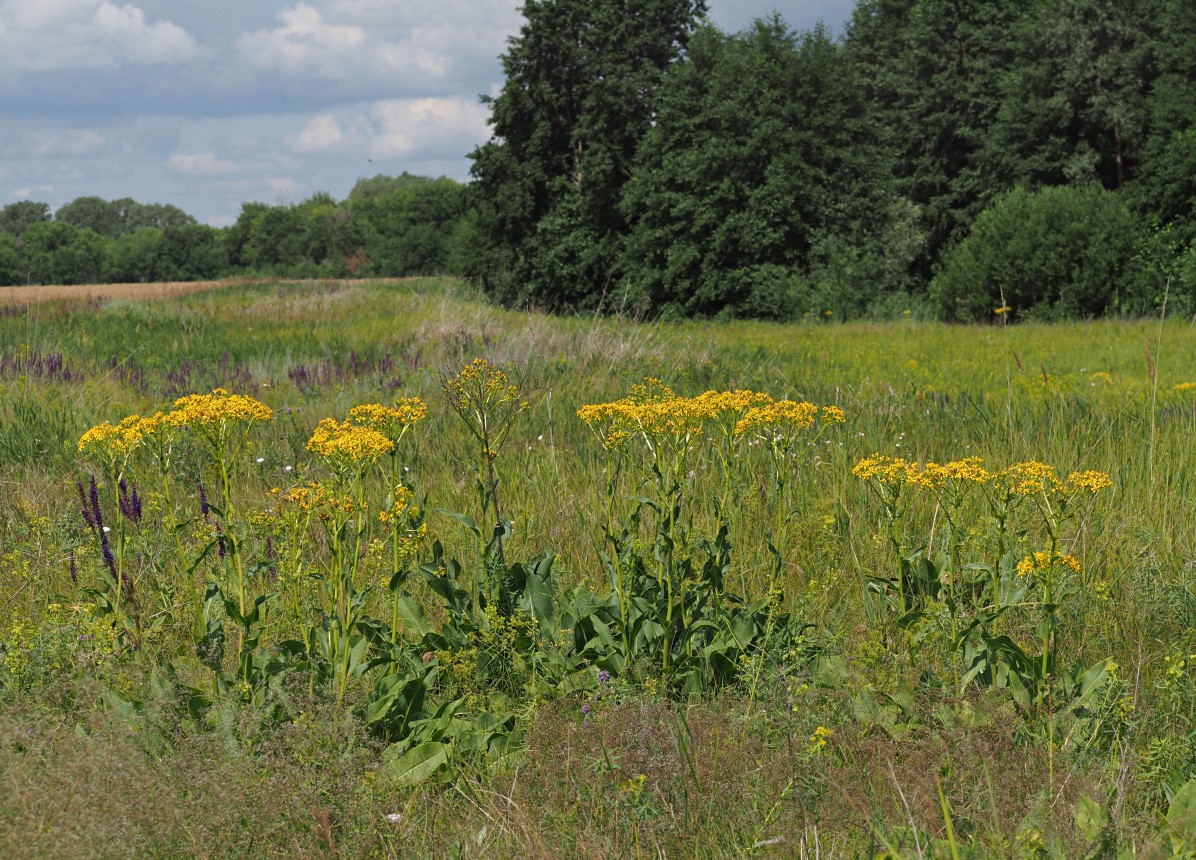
134,258
407,231
190,252
59,253
92,213
275,242
581,89
16,217
137,215
119,217
10,260
381,184
237,235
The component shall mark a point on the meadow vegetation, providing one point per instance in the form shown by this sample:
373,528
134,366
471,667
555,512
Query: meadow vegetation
376,569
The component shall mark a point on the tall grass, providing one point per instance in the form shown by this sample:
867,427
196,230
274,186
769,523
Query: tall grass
721,778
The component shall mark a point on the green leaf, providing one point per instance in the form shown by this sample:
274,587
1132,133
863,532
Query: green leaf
1181,818
1090,819
416,764
464,520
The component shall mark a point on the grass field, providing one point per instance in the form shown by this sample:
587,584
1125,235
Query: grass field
748,644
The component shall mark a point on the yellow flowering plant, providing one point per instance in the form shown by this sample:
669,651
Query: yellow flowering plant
488,398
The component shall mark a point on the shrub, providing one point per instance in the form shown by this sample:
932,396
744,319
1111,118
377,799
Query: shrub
1058,252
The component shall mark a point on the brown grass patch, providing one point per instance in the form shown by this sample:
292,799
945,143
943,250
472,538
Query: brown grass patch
146,292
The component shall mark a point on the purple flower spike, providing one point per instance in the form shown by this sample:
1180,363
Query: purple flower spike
109,560
203,502
585,710
86,507
93,493
603,676
74,570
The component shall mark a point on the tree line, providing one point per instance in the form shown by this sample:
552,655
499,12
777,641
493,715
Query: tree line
963,158
388,227
949,158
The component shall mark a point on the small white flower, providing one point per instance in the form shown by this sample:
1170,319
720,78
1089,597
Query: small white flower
106,529
261,460
287,468
394,817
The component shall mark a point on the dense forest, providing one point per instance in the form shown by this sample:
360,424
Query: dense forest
951,158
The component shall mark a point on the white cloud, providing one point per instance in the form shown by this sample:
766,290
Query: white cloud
285,188
160,42
42,35
74,142
407,126
203,164
362,42
304,43
322,134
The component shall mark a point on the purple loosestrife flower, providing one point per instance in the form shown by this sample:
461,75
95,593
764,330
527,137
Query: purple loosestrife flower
130,505
221,549
74,570
106,552
86,507
203,502
93,494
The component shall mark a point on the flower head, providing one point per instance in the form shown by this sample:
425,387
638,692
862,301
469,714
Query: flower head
346,446
217,408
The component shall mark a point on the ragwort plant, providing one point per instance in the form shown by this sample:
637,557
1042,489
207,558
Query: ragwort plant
988,601
669,582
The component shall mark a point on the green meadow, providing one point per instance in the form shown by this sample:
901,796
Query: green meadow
678,628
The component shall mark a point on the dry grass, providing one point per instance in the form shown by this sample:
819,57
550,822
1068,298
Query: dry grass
139,292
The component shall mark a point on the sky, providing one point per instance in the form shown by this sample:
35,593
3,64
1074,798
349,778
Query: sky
207,104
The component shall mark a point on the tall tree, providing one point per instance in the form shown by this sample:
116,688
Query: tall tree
932,70
1074,107
581,84
759,152
1164,189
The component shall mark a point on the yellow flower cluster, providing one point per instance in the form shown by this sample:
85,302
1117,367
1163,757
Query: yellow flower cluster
390,421
480,377
303,498
107,443
347,442
1028,478
1043,561
654,410
796,415
218,407
934,476
315,497
886,470
716,403
1088,481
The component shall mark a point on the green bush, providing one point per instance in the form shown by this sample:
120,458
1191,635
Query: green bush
1056,253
